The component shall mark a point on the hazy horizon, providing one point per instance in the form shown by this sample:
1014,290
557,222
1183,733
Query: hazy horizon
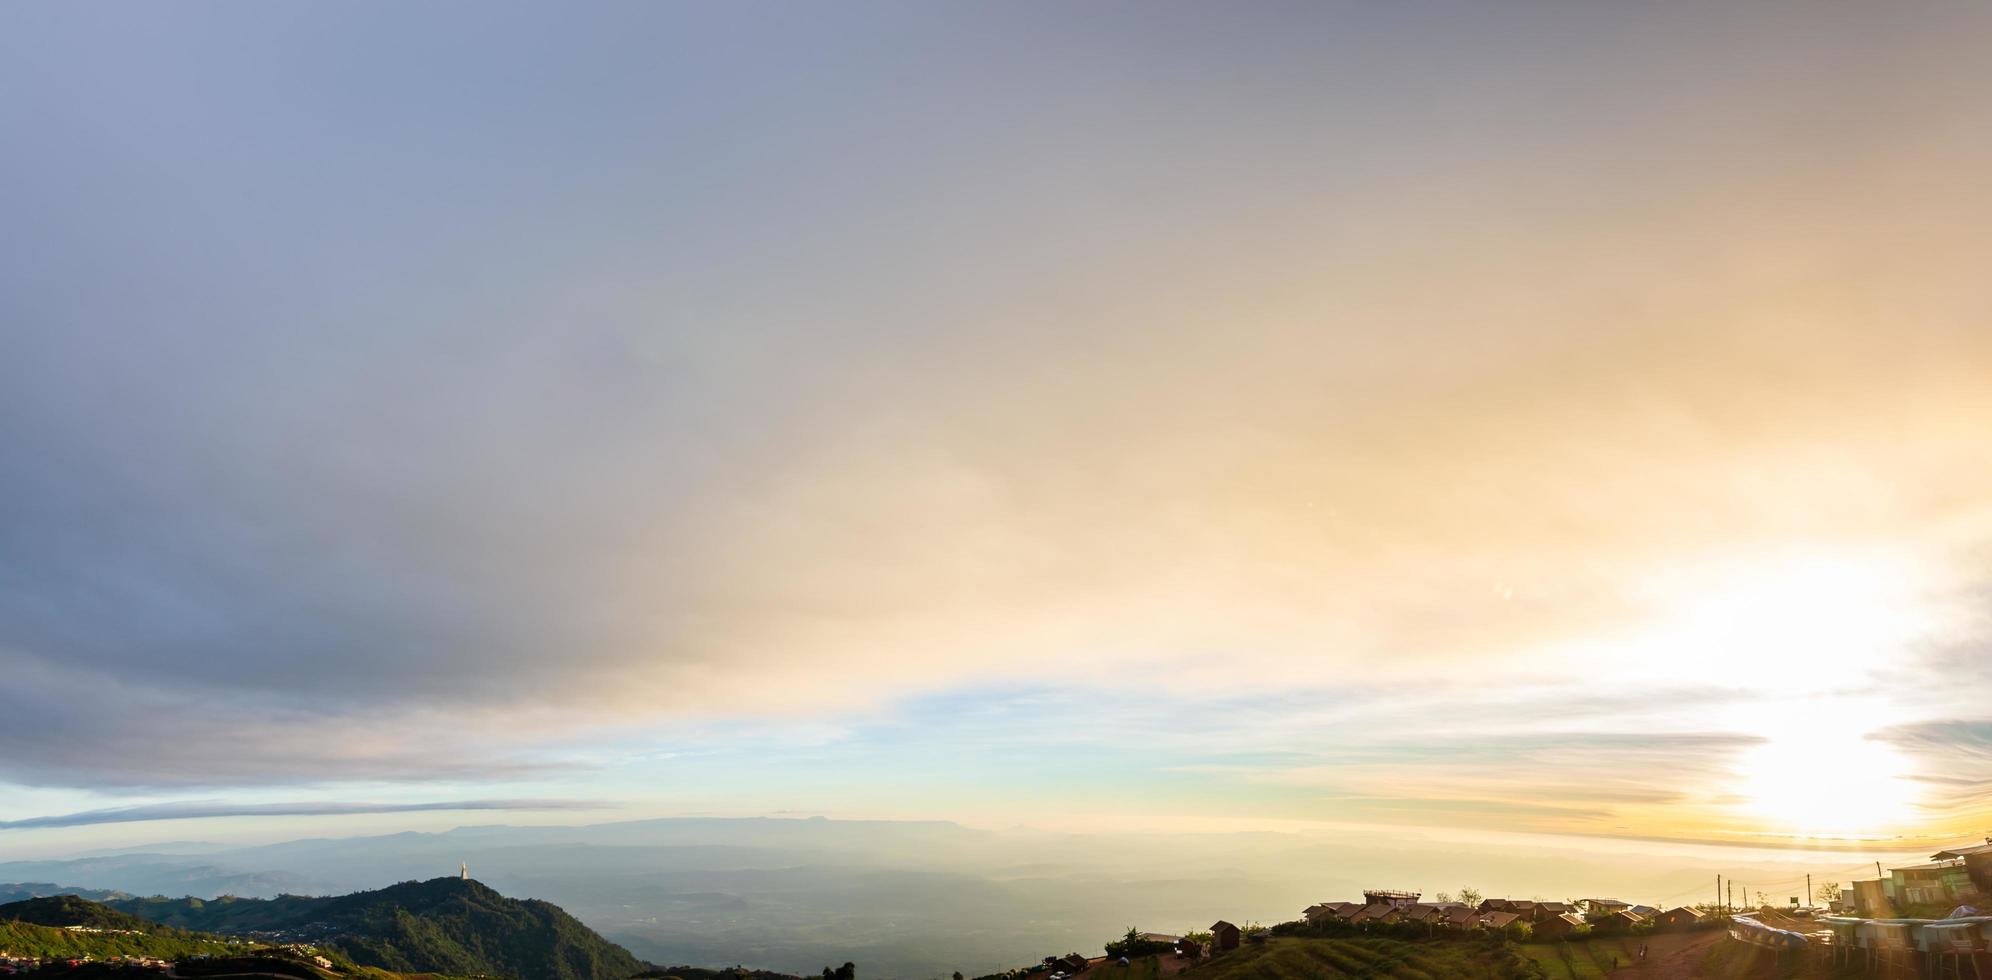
923,899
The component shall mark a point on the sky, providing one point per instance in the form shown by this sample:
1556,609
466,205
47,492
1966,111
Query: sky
1550,418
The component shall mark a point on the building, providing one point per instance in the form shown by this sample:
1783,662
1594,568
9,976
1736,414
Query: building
1384,896
1377,913
1563,925
1934,883
1977,860
1529,909
1223,936
1418,913
1603,906
1461,917
1618,921
1871,899
1679,917
1327,910
1498,919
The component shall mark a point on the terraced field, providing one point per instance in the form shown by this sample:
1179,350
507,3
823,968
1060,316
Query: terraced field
1309,959
1667,957
1689,956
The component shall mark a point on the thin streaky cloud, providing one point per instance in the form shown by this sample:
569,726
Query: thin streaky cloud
205,809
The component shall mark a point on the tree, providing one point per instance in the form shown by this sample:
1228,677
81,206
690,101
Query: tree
1470,896
1443,897
1828,892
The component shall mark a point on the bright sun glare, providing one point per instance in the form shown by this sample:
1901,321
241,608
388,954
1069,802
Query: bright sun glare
1832,786
1797,640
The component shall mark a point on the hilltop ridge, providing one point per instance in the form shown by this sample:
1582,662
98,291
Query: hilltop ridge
443,925
71,911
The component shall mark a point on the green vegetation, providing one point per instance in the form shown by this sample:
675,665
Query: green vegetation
16,891
1287,958
25,939
69,910
1132,945
1740,961
445,925
704,973
1146,968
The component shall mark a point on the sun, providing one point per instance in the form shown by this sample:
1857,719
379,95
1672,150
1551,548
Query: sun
1835,785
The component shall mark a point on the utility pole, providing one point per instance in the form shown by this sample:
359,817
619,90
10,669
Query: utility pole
1808,889
1718,892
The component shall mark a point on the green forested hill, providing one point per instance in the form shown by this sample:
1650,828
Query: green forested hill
445,925
69,910
17,891
27,939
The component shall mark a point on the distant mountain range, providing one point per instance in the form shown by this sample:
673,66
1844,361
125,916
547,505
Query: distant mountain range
444,925
15,892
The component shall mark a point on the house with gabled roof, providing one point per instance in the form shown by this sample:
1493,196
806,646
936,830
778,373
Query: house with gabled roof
1325,911
1461,917
1377,913
1679,917
1560,926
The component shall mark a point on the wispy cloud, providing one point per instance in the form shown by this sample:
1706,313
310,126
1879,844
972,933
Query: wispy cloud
201,809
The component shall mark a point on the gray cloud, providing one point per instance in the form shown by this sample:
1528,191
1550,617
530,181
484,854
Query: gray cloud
65,727
197,809
1955,759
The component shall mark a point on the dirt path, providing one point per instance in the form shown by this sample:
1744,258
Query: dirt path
1674,961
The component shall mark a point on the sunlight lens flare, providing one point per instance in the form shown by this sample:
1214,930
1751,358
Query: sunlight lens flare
1831,786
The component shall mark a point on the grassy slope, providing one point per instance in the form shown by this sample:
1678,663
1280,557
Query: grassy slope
1736,961
69,910
1307,959
1699,955
27,939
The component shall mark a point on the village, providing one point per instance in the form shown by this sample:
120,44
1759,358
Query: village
1916,916
12,963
